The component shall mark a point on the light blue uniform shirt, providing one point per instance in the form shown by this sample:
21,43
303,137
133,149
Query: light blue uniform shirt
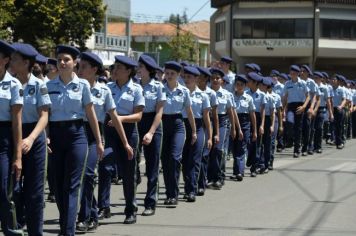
277,100
68,101
224,101
102,100
177,100
259,99
153,93
331,90
230,77
296,90
127,97
200,102
324,94
354,97
35,96
339,95
270,106
212,96
11,93
313,88
244,103
278,88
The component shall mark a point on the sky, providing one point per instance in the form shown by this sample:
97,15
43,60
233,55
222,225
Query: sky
159,10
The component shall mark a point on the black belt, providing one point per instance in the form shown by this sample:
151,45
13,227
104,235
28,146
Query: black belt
5,123
66,123
172,116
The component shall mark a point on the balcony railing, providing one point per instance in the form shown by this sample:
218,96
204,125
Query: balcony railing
118,43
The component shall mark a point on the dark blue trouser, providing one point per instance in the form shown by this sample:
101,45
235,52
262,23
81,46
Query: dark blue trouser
116,153
192,156
253,156
318,126
306,130
297,126
353,117
241,146
216,154
29,191
172,148
7,211
266,144
338,125
88,206
202,179
152,153
70,148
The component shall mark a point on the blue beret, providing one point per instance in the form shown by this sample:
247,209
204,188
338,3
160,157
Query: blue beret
256,67
41,59
204,71
284,76
160,69
267,81
184,63
226,59
103,79
217,71
254,76
241,77
52,61
73,51
318,74
325,75
274,73
295,68
6,48
91,57
25,49
250,66
173,65
191,70
127,61
342,78
306,67
148,61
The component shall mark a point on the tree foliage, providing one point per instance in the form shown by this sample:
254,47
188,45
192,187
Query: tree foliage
173,18
184,47
7,9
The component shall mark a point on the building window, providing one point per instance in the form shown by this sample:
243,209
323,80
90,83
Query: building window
259,30
286,28
220,31
337,29
272,29
96,39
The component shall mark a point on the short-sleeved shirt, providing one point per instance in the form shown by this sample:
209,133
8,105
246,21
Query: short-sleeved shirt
259,99
324,95
212,96
277,100
230,78
339,95
68,101
278,88
244,103
224,101
153,93
11,93
177,100
354,97
296,90
35,96
270,106
126,98
200,102
313,88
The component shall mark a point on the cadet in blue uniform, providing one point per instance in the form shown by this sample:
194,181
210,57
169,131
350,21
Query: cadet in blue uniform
225,112
229,77
204,78
192,154
150,128
34,146
71,103
178,99
129,105
90,67
295,100
245,113
259,100
11,101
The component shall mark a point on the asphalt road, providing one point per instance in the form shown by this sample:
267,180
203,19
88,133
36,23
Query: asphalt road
313,195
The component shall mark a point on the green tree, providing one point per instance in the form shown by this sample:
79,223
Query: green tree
7,14
173,18
183,47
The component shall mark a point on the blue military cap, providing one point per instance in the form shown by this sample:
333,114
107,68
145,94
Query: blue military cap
160,69
274,73
25,49
254,76
218,71
191,70
294,68
40,59
127,61
241,77
307,68
204,71
256,67
267,81
226,59
249,66
91,57
325,75
342,78
284,76
52,61
148,61
184,63
318,74
6,48
103,79
173,65
73,51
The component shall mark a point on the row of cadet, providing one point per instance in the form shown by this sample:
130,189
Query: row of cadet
190,121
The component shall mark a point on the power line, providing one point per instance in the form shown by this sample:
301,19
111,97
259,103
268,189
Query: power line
201,8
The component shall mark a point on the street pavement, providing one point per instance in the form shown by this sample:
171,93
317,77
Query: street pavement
313,195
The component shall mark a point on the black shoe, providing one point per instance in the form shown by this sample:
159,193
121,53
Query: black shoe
279,149
149,211
130,219
310,152
93,225
104,213
201,192
233,176
191,198
304,154
166,201
260,171
217,185
266,171
82,226
138,180
296,155
185,196
51,198
319,151
253,174
341,146
270,166
239,177
173,202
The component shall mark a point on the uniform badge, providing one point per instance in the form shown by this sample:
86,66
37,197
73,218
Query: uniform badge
21,92
98,95
129,91
43,91
75,88
5,87
180,94
31,91
153,89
